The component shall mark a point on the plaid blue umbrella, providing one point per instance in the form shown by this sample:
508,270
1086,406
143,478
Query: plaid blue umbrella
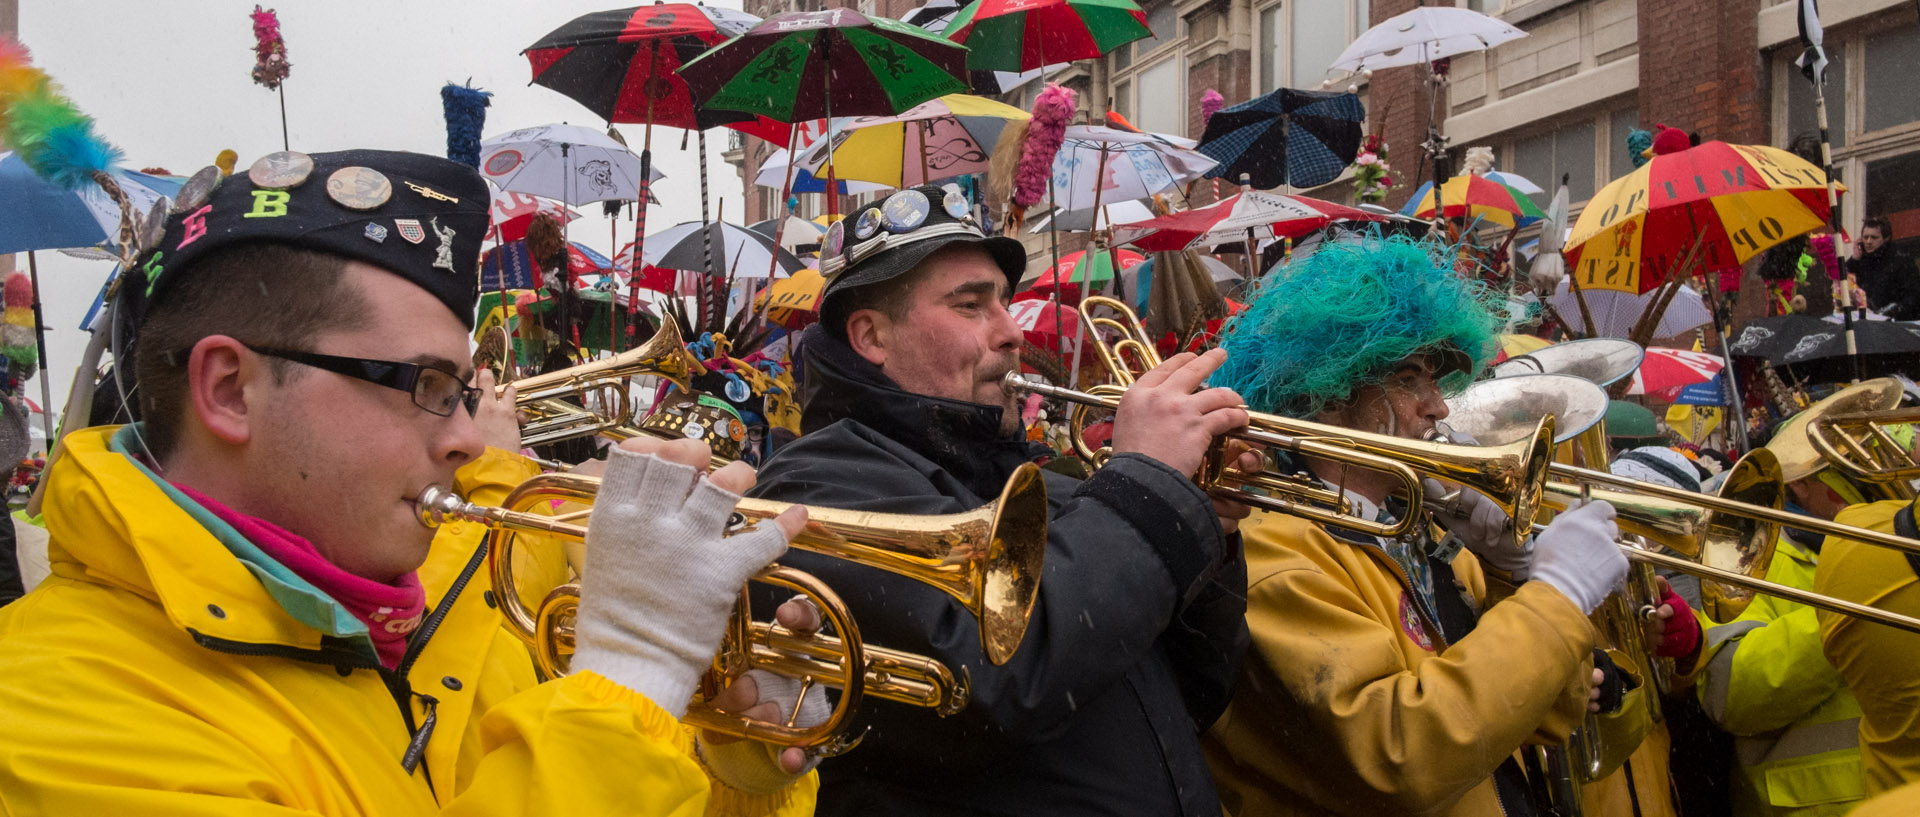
1301,138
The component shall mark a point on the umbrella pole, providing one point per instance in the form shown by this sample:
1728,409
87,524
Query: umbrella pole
924,178
640,212
1586,313
1736,415
1080,326
40,332
780,213
833,184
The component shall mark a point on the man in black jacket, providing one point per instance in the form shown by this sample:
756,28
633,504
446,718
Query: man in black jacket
1887,275
1139,627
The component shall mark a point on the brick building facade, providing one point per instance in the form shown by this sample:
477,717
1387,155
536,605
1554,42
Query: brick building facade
1556,103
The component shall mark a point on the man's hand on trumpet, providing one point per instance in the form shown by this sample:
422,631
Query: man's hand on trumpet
1162,417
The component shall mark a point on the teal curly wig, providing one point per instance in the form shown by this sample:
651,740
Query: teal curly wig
1339,319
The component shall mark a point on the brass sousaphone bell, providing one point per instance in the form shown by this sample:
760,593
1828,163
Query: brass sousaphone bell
989,559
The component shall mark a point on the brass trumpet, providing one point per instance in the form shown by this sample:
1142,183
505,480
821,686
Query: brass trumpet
989,559
1859,445
1512,475
557,400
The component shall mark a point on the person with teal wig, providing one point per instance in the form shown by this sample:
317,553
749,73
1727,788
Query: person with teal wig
1382,679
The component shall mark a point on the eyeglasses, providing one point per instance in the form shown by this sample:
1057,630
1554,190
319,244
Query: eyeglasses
435,390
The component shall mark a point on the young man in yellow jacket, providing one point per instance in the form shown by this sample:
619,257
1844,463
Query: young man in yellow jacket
246,614
1881,665
1382,679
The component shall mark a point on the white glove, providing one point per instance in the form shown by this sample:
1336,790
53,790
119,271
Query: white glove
751,766
1577,556
1483,527
660,577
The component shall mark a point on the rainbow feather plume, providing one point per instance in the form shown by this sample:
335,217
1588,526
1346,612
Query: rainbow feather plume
44,128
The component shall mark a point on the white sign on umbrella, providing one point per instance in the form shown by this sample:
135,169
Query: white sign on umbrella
1098,164
1423,35
573,164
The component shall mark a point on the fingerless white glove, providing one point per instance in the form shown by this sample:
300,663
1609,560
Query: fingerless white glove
754,767
660,577
1577,556
1483,527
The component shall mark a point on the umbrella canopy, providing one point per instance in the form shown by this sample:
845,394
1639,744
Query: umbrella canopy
1475,197
1664,373
1301,138
621,63
1423,35
1081,269
938,139
810,65
1615,313
40,216
1047,324
1111,214
773,173
737,251
1816,350
511,213
1121,165
794,233
569,163
1517,182
1021,35
1735,200
1267,214
793,301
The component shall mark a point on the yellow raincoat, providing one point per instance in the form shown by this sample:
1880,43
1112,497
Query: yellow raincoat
1351,702
156,674
1881,665
1796,728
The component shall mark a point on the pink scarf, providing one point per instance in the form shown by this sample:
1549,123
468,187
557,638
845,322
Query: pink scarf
390,611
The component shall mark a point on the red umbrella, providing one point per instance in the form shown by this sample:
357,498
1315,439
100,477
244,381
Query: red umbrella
1255,214
1047,324
1075,271
1664,372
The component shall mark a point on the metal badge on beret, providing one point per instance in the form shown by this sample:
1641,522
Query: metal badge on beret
868,224
281,170
198,189
835,241
955,202
907,210
153,226
359,188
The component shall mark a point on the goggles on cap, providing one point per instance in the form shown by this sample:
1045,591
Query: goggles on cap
899,221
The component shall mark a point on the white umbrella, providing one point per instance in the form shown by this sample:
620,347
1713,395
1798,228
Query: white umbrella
773,173
1098,164
736,250
1423,35
1615,312
1080,221
573,164
1515,181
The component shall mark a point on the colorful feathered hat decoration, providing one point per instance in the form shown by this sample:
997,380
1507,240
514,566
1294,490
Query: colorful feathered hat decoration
52,136
17,331
270,65
466,109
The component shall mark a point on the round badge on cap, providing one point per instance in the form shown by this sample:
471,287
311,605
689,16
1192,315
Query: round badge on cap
907,210
694,430
281,170
154,226
955,202
359,188
868,224
737,390
836,240
198,189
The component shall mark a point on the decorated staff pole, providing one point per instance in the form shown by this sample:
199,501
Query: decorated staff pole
640,206
270,65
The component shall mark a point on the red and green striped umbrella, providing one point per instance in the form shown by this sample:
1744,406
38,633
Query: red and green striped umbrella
1470,197
1022,35
820,64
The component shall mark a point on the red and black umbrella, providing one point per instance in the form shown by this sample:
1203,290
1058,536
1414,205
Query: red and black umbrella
621,64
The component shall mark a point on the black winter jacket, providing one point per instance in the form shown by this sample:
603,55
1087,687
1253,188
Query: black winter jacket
1134,643
1891,281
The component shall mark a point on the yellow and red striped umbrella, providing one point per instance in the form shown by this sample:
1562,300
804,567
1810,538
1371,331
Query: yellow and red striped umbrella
1736,200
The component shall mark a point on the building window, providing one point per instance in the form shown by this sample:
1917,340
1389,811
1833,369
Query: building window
1620,159
1296,41
1149,77
1892,62
1544,158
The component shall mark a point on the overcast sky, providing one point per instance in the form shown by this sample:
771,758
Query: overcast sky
169,83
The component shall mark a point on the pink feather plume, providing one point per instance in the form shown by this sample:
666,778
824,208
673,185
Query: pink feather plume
1052,110
1210,103
1829,258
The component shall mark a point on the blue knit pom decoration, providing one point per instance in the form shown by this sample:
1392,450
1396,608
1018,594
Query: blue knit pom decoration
466,110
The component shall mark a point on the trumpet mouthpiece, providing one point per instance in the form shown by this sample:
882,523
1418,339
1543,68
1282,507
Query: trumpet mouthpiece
437,504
